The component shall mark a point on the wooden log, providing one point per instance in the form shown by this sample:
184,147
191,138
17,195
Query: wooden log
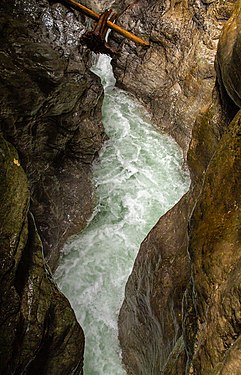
95,16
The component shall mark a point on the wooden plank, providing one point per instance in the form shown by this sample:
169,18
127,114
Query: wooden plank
90,13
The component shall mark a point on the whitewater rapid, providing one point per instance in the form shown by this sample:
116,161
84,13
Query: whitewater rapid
138,177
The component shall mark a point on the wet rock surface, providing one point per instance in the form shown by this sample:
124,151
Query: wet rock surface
186,310
38,330
151,315
174,78
181,314
51,112
214,248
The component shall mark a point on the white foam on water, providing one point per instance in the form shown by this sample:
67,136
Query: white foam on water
138,177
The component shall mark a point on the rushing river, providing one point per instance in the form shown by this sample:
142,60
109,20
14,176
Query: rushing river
138,177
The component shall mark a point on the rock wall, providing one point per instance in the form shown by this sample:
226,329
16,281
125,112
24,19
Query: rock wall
174,78
214,246
181,313
51,112
151,315
38,330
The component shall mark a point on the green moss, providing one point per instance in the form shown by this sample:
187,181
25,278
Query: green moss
215,248
206,134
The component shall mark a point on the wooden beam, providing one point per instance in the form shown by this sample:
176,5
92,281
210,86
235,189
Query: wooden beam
95,16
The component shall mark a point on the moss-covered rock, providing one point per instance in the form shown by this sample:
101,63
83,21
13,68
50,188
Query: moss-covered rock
215,255
38,330
207,132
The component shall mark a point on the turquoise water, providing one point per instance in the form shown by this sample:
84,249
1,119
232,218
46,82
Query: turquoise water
138,177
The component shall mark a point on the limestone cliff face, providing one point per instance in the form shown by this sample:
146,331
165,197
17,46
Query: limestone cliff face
38,330
181,313
174,78
51,112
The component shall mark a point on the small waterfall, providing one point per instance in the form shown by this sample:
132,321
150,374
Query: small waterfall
138,177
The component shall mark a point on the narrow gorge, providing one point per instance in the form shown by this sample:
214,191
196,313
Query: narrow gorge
132,194
181,309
